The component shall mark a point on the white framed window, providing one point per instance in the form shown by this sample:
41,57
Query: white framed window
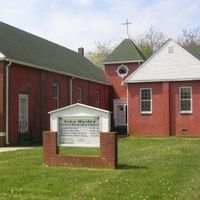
97,98
146,100
170,49
23,113
56,94
185,99
80,95
122,70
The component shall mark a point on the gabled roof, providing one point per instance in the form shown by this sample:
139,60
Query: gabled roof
25,48
178,65
79,105
195,51
125,52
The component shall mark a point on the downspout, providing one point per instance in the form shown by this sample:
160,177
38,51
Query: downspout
7,101
71,88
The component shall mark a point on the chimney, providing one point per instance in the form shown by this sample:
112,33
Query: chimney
81,51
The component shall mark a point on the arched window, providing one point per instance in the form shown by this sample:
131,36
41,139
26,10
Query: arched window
97,98
80,95
56,94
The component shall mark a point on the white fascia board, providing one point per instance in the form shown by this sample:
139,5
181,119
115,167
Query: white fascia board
163,80
123,62
147,61
55,71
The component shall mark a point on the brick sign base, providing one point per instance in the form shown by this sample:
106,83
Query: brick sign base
107,159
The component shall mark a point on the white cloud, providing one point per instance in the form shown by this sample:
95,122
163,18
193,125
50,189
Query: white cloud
82,22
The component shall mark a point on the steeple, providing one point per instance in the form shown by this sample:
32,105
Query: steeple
125,52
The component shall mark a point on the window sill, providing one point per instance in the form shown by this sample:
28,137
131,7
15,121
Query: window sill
186,113
146,113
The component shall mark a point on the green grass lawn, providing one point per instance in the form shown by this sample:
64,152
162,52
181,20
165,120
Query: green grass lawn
148,169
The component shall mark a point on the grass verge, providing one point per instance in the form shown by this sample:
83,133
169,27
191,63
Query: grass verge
148,169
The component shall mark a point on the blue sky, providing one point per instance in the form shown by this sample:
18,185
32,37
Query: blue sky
75,23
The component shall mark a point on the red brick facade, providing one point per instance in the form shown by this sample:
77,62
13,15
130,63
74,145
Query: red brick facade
166,118
38,85
108,153
119,89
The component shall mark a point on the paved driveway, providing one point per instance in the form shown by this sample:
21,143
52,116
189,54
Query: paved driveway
4,149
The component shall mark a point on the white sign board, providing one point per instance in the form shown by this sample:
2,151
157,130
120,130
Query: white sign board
79,131
79,125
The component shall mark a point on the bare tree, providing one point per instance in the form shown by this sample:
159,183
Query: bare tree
189,38
151,41
103,49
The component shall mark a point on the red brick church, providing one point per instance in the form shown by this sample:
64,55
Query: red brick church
156,97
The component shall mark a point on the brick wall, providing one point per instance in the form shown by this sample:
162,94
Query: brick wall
119,89
38,85
165,119
107,159
2,141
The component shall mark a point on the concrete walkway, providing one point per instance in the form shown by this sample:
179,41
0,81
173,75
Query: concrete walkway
5,149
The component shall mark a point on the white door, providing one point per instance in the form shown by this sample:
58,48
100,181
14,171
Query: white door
23,113
120,112
121,115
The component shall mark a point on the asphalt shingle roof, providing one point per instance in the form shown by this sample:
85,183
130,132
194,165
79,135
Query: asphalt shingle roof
125,51
24,47
195,51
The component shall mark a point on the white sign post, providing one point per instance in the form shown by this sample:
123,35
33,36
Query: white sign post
79,131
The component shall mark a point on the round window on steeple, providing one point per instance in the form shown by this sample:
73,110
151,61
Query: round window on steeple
122,71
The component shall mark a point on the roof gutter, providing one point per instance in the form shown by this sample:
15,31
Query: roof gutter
7,101
122,61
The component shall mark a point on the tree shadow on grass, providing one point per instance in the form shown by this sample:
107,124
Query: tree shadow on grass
127,167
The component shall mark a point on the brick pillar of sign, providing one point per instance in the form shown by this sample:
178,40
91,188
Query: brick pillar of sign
50,147
107,159
108,149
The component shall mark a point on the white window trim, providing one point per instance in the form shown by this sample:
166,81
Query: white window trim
191,109
80,94
57,98
24,96
122,75
145,112
97,99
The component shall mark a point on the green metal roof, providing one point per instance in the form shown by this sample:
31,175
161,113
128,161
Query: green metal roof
24,47
126,51
195,51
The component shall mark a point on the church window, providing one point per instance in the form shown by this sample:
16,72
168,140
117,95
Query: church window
122,70
56,94
97,98
185,99
80,94
146,100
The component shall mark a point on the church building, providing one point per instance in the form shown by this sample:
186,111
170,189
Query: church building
155,97
38,76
